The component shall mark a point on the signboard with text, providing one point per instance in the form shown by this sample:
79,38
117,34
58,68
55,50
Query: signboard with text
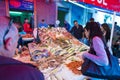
21,4
108,4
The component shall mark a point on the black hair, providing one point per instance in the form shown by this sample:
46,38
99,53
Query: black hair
116,23
42,20
94,29
108,31
92,19
75,21
25,18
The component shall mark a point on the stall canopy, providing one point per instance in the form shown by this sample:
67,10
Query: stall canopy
113,5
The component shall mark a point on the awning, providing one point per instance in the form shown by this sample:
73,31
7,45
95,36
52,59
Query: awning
113,5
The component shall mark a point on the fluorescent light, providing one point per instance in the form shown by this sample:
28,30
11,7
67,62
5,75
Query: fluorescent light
12,12
105,11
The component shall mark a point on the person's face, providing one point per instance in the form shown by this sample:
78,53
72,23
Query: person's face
103,31
87,33
17,25
76,23
26,20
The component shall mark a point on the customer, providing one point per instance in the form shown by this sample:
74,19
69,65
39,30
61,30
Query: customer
77,31
26,26
117,44
106,31
32,21
67,25
11,69
94,34
116,48
20,32
116,27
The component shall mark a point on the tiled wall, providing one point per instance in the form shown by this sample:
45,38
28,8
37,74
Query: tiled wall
46,10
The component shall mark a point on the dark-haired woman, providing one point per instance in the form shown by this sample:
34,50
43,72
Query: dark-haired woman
106,33
95,36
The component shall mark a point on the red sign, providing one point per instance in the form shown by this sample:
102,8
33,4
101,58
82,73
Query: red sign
21,4
108,4
16,3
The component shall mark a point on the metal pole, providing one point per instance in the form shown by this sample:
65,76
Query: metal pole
112,30
35,14
7,7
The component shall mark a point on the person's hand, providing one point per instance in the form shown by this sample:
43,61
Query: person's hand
118,42
81,54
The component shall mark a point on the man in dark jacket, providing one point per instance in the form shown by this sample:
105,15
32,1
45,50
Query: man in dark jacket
11,69
77,30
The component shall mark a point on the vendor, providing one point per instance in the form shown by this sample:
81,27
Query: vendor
77,30
26,26
42,24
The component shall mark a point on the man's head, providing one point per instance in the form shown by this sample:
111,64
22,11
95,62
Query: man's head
75,23
26,20
91,19
115,23
8,37
43,20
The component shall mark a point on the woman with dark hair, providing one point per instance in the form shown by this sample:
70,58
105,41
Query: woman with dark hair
94,35
98,55
106,31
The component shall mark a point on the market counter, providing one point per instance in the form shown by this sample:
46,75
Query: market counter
56,55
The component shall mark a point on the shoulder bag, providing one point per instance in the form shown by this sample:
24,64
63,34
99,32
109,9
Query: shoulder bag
112,71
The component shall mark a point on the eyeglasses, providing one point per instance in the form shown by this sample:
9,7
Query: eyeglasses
8,29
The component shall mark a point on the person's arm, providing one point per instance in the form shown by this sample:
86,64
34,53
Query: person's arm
24,27
72,30
82,31
101,56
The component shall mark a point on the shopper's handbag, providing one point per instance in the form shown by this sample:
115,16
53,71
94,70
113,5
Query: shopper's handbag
112,71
